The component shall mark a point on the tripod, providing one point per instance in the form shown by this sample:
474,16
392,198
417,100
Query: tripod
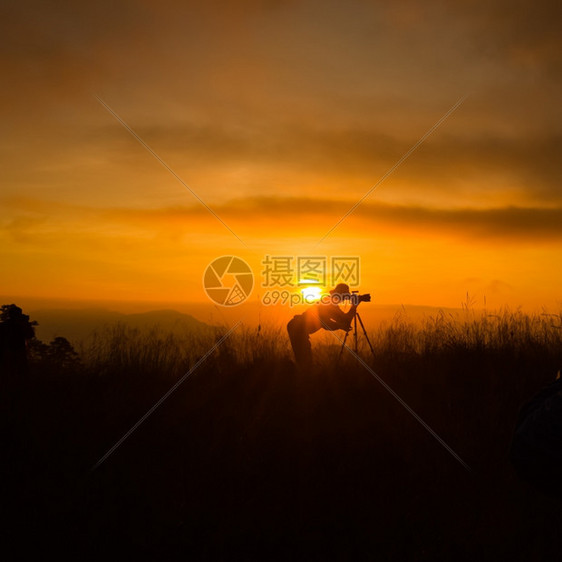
355,318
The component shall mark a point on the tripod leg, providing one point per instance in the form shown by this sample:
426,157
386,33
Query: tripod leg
365,334
355,331
342,346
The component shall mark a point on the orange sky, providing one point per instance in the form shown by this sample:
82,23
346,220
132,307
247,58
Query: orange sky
281,116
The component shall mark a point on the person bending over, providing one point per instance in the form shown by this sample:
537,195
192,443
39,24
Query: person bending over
325,315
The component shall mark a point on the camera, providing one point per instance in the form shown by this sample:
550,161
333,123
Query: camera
356,298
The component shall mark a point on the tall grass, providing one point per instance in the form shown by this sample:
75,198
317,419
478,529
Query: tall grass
470,330
120,349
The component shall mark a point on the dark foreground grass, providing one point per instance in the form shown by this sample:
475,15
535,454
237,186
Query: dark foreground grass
250,459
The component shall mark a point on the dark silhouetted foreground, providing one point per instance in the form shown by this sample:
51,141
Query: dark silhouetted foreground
249,460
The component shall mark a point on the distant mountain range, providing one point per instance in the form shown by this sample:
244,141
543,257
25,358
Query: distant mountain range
78,325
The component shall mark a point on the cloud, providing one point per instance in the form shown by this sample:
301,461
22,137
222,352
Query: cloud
362,155
470,170
267,216
500,28
294,94
507,223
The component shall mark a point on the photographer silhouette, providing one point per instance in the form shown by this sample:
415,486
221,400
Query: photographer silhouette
326,315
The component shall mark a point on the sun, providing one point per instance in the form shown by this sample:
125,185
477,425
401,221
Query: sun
311,293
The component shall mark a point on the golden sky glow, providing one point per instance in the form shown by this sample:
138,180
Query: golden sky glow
281,116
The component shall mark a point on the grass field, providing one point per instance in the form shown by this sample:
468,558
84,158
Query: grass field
251,459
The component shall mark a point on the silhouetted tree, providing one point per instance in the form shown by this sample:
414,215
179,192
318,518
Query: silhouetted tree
38,351
62,354
15,332
55,358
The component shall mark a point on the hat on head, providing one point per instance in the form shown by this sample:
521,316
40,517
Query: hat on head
341,289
